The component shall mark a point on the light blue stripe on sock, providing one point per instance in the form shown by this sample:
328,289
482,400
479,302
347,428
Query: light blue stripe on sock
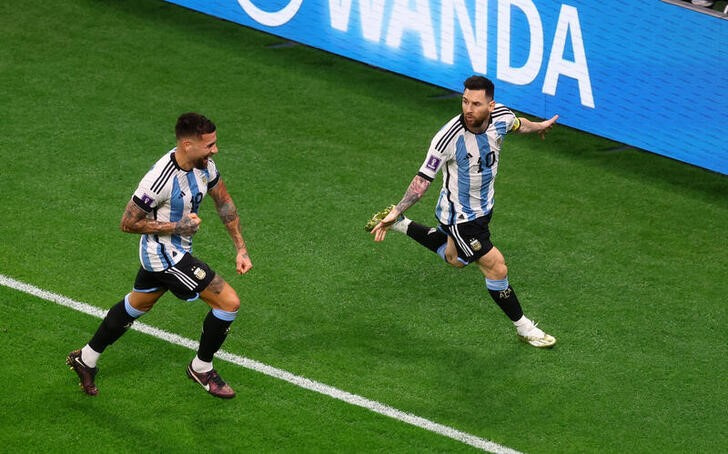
441,251
224,315
131,310
496,284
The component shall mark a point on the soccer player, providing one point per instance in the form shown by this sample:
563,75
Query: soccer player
467,150
163,209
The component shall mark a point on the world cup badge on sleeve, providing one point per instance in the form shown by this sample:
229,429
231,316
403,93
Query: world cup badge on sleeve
433,162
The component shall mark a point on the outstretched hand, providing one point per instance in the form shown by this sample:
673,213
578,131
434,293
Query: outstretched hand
546,125
380,230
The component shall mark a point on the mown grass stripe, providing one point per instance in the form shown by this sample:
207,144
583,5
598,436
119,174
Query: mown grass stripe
271,371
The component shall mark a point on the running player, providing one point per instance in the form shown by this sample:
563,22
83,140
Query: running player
164,211
467,150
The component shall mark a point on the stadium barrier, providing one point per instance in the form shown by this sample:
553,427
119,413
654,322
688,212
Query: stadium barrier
647,73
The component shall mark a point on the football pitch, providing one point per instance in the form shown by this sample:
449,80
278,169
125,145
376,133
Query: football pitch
620,254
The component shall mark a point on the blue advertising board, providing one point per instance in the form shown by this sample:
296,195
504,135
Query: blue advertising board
645,73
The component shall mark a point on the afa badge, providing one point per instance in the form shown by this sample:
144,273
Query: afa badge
199,273
475,244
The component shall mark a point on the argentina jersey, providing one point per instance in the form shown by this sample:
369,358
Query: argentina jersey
167,193
469,164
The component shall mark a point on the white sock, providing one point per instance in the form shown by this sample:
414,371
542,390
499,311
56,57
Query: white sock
402,225
89,356
201,366
523,325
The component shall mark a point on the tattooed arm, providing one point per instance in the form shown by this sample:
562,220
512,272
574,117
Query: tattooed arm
229,216
414,193
135,220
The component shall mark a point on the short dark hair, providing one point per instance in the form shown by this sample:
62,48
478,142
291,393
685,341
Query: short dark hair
480,83
192,124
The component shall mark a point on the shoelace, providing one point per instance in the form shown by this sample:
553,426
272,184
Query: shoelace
214,377
533,328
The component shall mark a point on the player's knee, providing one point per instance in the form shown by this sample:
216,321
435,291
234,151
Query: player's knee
453,260
143,301
499,271
450,258
232,302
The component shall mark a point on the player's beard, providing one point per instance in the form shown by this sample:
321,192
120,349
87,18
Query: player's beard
474,125
201,163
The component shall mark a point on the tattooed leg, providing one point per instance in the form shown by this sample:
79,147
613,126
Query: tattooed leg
217,285
220,295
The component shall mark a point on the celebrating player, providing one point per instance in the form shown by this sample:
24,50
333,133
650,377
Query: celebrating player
164,211
467,150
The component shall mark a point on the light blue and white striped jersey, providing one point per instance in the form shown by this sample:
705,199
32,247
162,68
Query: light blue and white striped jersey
167,193
469,164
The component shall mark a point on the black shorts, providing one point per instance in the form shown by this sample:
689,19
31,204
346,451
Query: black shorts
472,238
185,280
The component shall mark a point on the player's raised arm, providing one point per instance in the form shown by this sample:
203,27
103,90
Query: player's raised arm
538,127
414,193
228,213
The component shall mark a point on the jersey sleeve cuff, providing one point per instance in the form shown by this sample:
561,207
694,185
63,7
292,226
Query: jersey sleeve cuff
140,203
213,183
426,177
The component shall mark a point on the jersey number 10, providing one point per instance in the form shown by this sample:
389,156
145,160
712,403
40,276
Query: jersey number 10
489,161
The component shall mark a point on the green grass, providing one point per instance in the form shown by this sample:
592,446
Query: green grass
621,254
155,412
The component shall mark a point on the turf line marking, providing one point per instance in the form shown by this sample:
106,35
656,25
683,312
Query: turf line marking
353,399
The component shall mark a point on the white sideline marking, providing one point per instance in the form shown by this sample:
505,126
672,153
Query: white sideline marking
302,382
